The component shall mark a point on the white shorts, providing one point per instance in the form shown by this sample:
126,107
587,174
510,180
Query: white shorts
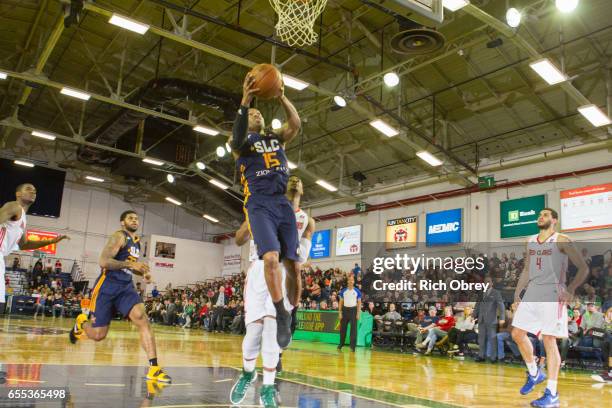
547,318
2,285
257,299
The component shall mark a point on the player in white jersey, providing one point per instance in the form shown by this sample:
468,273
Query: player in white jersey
12,234
542,310
13,228
259,311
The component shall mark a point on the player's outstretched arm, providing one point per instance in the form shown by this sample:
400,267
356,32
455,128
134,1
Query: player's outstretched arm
292,127
241,124
26,245
567,247
243,234
9,210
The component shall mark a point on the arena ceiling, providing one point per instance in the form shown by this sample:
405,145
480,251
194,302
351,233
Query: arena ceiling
472,102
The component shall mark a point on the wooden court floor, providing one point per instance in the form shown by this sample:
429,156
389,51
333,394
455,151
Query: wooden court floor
36,353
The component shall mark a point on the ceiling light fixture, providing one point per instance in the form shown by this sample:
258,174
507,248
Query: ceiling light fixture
340,101
294,83
220,151
391,79
173,201
326,185
594,115
210,218
206,130
384,128
128,24
24,163
566,6
219,184
513,17
75,94
429,158
200,165
153,161
43,135
276,124
548,71
92,178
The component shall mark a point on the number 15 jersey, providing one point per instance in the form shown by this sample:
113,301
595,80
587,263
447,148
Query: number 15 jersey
263,165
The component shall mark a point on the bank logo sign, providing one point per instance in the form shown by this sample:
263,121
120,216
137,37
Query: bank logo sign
320,244
519,217
444,227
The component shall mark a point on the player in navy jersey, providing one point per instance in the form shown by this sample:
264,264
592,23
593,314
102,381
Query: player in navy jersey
114,290
264,172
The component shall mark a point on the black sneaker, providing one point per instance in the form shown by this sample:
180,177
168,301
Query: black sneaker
353,349
339,348
293,320
283,329
279,365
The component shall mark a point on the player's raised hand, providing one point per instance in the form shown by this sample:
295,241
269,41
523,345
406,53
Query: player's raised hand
147,278
248,89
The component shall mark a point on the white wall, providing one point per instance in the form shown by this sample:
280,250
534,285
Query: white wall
90,214
194,261
481,222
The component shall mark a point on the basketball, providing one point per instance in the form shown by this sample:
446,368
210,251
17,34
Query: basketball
268,79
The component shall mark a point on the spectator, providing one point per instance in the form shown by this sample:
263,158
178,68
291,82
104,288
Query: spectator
591,319
428,323
58,305
16,263
573,330
439,330
392,314
504,336
58,266
489,311
356,271
463,333
39,305
188,313
155,292
219,301
314,290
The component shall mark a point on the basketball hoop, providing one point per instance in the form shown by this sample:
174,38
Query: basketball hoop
296,20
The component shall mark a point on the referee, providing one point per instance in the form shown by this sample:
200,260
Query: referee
350,308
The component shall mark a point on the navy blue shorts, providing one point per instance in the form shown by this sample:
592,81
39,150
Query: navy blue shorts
272,224
110,295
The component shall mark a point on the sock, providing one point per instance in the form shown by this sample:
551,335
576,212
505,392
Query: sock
153,361
249,365
268,377
533,368
280,307
552,386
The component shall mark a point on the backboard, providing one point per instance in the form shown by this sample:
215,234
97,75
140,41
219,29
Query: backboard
431,9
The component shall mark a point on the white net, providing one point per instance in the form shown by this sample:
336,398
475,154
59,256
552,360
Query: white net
296,20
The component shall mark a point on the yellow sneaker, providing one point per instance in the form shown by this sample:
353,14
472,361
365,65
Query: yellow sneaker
156,373
154,388
77,332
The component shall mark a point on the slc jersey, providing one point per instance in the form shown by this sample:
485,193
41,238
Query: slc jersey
130,251
263,165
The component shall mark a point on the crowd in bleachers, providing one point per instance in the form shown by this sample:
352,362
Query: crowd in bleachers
43,288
